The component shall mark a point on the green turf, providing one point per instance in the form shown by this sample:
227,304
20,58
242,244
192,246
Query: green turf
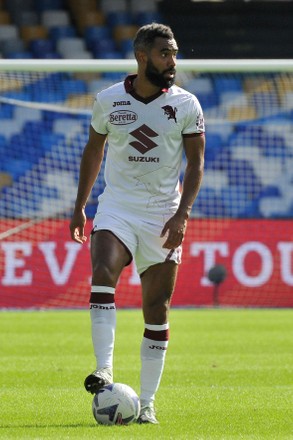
228,375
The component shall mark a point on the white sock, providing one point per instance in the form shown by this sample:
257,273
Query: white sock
103,320
153,352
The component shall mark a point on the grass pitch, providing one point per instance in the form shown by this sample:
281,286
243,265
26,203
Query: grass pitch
228,375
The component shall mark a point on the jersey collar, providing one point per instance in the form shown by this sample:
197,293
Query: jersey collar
128,84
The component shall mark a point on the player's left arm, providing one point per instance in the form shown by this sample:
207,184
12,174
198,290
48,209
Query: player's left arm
194,146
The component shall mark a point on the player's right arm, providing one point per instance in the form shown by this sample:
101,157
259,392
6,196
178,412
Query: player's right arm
90,166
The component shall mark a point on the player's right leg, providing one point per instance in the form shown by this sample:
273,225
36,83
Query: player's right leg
109,256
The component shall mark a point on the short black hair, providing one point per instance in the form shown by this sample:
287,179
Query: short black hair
147,34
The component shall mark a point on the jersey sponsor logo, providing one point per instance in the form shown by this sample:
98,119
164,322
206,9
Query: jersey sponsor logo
143,159
116,103
143,136
122,117
170,112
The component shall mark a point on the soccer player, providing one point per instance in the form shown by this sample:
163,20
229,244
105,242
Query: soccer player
149,123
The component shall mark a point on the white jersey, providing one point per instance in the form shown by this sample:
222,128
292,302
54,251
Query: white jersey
145,146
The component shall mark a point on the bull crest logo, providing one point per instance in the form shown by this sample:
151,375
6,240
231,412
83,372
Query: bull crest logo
170,112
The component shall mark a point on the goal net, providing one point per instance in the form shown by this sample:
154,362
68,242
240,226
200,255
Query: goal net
238,249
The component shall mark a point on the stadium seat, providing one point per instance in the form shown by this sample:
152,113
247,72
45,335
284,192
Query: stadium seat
67,126
45,5
241,173
108,6
141,18
209,204
272,207
213,146
143,6
102,47
68,45
6,112
26,18
20,55
124,32
77,6
241,113
238,203
22,115
12,45
16,167
29,33
5,17
225,84
49,140
57,17
97,85
10,128
199,85
126,47
89,18
41,46
119,18
57,32
8,31
20,5
96,33
73,86
215,179
6,179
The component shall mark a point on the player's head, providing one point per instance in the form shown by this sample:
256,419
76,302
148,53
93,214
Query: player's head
155,49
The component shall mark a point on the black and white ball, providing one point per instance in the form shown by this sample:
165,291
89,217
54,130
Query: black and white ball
116,404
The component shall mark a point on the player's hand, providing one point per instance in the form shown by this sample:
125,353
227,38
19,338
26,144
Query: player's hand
77,226
175,229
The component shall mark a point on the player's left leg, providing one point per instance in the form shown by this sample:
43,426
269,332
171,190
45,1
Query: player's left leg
158,283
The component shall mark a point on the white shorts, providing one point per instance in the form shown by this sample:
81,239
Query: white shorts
141,237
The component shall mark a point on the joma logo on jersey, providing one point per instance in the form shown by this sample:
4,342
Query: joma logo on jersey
122,117
170,112
144,142
121,103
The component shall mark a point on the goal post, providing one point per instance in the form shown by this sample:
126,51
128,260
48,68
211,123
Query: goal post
241,220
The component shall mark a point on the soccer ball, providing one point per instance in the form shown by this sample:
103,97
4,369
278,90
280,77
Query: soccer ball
116,404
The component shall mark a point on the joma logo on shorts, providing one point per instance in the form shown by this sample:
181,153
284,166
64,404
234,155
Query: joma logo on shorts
122,117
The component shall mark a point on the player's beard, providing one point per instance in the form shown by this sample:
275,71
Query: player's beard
157,78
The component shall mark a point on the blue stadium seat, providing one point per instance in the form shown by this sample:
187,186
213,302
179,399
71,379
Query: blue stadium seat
207,100
6,111
237,203
96,33
16,167
19,55
144,17
209,204
241,173
119,18
213,145
70,86
57,32
40,46
226,84
49,140
101,48
45,5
